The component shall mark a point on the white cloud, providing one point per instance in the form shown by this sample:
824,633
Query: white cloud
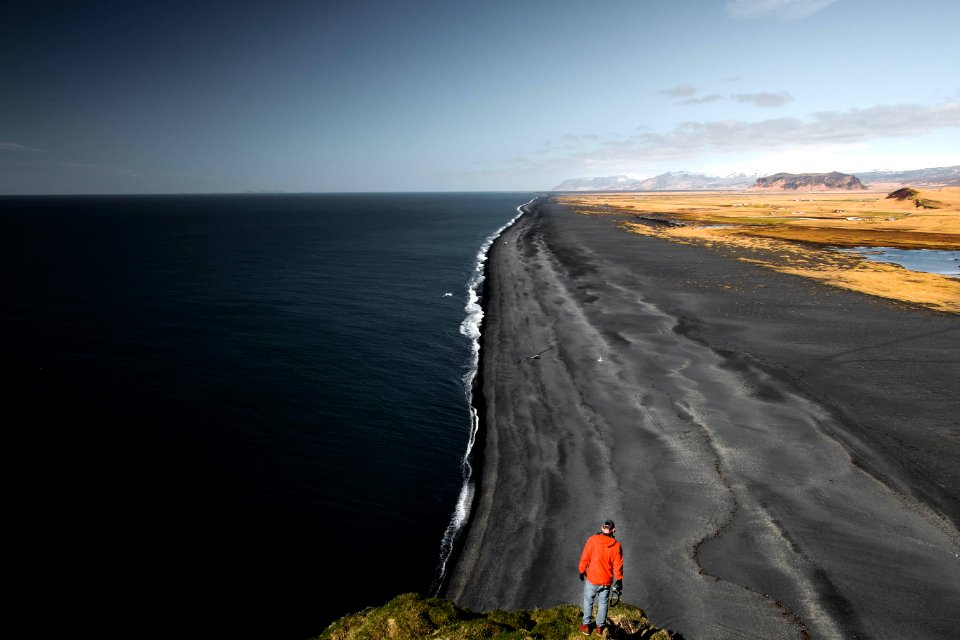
710,98
680,91
17,148
855,125
771,136
783,9
765,99
762,99
572,137
852,158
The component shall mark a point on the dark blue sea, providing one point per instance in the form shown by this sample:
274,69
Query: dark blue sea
235,416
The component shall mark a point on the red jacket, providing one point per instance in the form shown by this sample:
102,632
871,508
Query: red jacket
602,559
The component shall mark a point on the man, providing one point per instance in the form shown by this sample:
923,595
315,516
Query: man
601,564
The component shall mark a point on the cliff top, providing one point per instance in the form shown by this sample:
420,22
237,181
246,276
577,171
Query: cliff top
410,616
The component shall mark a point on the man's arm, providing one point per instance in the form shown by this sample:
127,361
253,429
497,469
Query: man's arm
585,557
618,564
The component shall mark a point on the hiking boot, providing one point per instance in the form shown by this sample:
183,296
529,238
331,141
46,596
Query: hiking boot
599,629
585,629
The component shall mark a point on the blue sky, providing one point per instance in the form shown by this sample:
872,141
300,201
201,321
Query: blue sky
429,95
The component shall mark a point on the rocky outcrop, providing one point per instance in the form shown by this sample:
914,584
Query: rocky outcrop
920,200
903,194
833,181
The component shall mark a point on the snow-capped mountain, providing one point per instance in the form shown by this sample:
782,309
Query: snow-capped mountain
948,176
670,181
688,181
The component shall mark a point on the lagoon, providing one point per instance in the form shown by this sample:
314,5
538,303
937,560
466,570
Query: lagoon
927,260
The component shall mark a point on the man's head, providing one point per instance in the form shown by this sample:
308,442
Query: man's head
608,526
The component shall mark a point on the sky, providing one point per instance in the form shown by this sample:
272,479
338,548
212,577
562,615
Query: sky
431,95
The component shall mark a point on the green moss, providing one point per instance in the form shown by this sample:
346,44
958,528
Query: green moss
515,619
443,612
479,629
409,617
415,616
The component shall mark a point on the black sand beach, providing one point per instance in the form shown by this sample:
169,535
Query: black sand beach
782,458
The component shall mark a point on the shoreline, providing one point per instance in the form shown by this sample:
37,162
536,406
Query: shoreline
667,405
458,528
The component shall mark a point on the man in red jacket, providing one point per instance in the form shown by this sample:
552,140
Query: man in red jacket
601,564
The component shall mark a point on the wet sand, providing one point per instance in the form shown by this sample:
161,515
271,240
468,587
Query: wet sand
782,458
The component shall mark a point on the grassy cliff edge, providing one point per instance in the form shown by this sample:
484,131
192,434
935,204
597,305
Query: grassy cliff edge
410,616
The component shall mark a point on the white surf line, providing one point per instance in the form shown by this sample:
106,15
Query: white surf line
470,327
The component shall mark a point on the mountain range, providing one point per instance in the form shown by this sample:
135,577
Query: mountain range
670,181
689,181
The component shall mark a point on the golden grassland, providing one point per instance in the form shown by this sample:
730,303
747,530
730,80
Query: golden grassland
799,233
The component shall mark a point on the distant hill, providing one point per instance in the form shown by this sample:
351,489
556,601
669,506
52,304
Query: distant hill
670,181
687,181
935,176
833,181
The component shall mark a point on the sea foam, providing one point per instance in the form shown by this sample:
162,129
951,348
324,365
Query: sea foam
470,328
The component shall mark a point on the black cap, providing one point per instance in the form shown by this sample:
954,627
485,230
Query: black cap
609,524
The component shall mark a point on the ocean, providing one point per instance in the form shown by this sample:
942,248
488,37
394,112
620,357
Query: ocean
236,416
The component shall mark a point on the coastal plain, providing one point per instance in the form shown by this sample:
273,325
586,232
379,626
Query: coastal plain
781,455
800,232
